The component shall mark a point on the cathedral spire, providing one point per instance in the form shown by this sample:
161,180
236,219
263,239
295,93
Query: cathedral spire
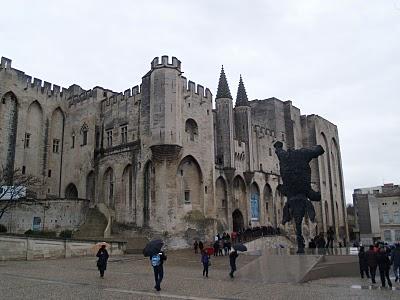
223,88
241,98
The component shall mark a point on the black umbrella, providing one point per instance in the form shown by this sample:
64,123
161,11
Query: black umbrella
240,247
153,247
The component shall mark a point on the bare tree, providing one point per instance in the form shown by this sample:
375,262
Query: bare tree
16,189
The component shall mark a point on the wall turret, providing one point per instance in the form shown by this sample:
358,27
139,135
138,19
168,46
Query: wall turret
224,139
243,122
161,96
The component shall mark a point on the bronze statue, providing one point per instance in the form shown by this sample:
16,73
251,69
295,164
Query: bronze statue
296,177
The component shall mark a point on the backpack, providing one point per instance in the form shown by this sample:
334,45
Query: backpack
155,260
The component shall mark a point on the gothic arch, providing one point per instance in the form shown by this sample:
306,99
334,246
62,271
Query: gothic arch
127,186
34,140
255,202
90,186
55,142
108,187
8,138
148,190
191,129
71,192
268,200
221,199
190,183
239,194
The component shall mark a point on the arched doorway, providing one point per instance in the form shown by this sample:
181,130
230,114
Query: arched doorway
255,202
238,222
71,192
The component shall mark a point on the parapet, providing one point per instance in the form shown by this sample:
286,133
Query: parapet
156,64
196,89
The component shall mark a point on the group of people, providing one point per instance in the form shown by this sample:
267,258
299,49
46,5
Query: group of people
319,240
381,257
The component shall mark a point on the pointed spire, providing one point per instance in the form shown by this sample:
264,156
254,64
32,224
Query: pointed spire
223,88
241,98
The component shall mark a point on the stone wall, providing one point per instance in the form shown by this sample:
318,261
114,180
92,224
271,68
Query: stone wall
55,215
27,248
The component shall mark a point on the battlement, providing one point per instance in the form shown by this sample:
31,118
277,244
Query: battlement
175,63
31,82
262,131
191,87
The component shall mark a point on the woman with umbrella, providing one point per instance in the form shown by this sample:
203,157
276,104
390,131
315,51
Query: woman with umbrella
102,254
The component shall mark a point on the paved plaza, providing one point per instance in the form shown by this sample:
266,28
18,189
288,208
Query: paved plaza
131,277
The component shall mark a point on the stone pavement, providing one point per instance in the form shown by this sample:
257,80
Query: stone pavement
131,277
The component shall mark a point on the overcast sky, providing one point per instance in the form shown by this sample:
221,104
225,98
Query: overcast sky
337,59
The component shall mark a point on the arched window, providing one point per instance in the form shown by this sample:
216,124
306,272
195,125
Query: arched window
84,133
191,129
71,192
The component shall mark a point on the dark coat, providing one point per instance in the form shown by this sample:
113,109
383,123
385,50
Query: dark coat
232,258
362,260
383,261
371,258
395,256
102,254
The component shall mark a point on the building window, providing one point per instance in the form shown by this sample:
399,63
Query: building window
191,129
73,141
124,134
223,203
396,217
84,133
109,138
187,196
49,173
385,217
387,235
23,169
394,202
27,140
270,151
283,137
205,189
397,235
56,145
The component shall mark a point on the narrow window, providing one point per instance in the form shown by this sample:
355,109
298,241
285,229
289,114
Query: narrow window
205,189
270,151
23,169
49,173
84,133
27,140
56,145
187,196
124,134
73,141
109,138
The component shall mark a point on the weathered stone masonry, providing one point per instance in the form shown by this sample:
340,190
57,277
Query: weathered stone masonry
158,153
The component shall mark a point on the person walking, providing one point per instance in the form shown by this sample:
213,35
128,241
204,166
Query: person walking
330,233
362,261
372,262
395,260
102,255
157,262
216,248
195,246
201,246
384,266
232,261
205,260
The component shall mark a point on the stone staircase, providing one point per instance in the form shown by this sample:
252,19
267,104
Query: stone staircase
93,227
